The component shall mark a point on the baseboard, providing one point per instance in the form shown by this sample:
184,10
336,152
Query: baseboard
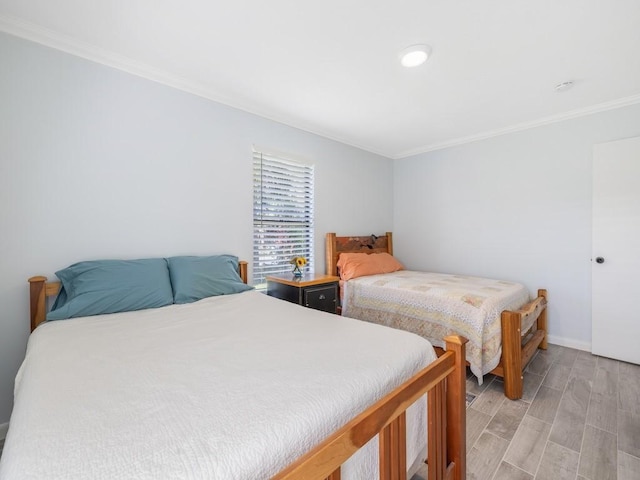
569,342
4,428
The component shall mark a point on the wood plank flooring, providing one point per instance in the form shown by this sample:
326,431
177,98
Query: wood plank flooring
579,419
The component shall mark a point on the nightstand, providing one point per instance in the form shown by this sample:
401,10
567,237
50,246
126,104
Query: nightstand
314,291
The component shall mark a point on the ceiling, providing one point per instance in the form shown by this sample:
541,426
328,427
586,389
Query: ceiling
332,68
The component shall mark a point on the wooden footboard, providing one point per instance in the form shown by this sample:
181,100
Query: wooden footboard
519,347
444,381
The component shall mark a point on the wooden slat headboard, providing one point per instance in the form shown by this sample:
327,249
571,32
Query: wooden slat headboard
355,244
40,290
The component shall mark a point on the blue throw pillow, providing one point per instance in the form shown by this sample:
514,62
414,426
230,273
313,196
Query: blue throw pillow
111,286
195,278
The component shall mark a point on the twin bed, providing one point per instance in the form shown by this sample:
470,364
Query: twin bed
504,327
229,386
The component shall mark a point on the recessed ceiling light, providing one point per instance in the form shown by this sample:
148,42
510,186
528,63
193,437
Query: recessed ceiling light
564,86
414,55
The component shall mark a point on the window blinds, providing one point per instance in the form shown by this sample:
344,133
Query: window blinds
282,215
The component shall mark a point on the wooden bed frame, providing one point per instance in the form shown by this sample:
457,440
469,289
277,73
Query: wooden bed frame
517,347
443,381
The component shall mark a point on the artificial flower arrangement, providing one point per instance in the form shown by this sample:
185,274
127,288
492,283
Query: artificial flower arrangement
298,263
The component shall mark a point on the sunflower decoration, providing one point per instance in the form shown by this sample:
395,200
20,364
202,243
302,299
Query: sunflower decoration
298,263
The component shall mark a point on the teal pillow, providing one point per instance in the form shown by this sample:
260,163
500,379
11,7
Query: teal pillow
111,286
195,278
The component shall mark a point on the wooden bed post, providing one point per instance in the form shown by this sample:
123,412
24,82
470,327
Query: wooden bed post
457,408
447,423
389,243
242,270
542,320
512,354
331,255
38,300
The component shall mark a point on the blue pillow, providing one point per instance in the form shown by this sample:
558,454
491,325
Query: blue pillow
111,286
195,278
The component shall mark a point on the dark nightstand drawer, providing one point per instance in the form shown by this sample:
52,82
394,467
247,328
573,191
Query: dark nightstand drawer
319,292
321,298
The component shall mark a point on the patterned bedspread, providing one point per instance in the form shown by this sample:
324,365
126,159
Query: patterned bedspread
435,305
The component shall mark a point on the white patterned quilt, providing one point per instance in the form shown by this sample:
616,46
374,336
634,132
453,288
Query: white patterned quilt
435,305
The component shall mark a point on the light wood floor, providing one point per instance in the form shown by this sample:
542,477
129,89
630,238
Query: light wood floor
579,419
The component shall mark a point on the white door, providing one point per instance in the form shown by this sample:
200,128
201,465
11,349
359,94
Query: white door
615,279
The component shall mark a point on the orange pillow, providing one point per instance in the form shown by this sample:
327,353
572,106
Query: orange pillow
353,265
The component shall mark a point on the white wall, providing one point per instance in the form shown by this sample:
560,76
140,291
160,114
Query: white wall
514,207
97,163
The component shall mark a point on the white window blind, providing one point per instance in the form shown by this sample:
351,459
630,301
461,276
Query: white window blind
282,215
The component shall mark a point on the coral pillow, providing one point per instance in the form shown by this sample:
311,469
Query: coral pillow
353,265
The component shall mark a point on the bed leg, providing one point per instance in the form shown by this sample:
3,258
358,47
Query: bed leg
542,320
512,354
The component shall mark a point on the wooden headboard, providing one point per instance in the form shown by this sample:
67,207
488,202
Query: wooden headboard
40,290
360,244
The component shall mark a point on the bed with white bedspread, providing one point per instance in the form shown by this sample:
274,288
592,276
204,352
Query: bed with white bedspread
229,387
435,304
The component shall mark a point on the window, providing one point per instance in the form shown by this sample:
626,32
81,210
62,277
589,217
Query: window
282,215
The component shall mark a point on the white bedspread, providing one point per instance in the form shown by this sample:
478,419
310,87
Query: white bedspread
231,387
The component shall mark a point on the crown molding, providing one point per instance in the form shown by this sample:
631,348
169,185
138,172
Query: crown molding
29,31
581,112
50,38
